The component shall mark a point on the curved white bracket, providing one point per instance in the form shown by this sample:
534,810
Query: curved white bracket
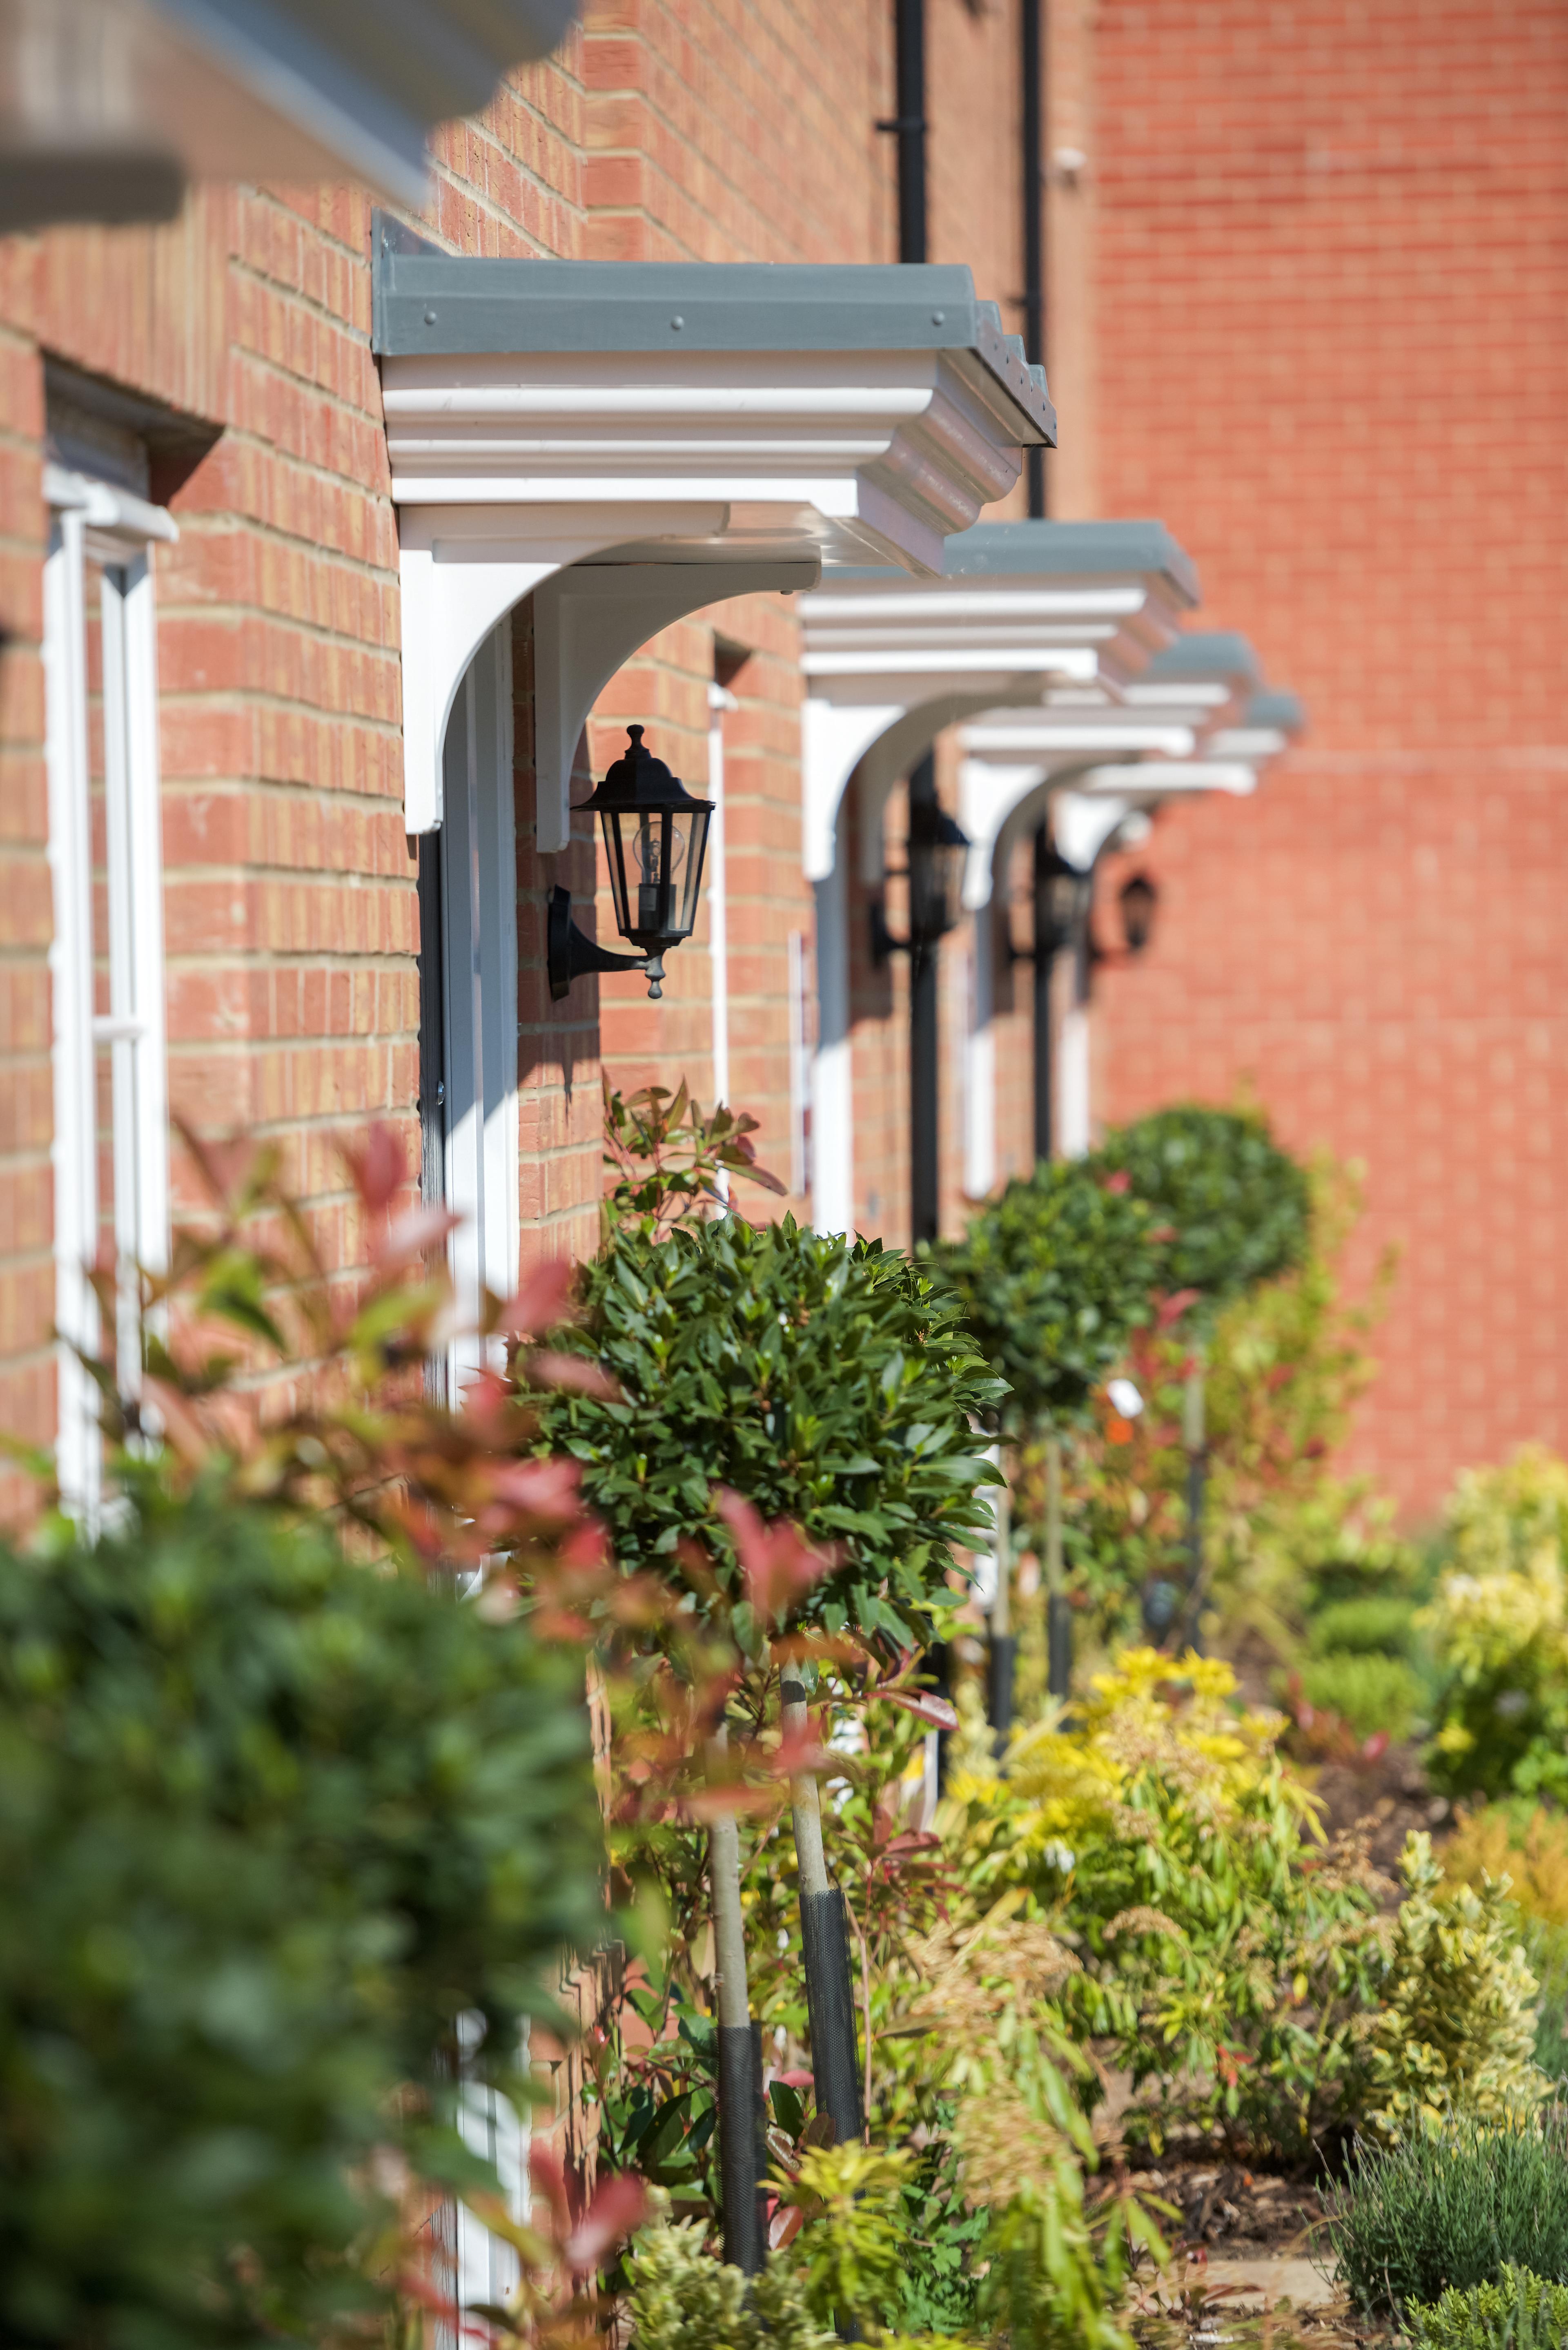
999,806
588,620
883,740
461,570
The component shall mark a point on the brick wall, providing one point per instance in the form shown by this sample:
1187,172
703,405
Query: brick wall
1333,353
735,130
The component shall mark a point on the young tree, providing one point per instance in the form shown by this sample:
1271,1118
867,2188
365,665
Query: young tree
1053,1277
778,1374
1236,1211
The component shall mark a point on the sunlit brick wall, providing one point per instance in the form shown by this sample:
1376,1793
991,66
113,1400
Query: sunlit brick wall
1333,353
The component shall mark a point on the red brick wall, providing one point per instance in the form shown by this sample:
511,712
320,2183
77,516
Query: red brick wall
733,130
1333,353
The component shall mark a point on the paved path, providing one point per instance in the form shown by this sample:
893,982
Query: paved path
1264,2283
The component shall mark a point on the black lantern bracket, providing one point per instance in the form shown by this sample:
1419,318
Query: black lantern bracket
655,839
570,954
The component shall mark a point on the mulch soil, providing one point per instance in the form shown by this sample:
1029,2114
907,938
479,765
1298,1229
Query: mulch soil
1231,2211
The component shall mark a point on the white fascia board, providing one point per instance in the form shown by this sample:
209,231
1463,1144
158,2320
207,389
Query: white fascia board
1159,779
1057,738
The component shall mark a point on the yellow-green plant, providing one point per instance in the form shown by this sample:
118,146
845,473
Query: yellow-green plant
1499,1630
1528,1846
1058,2254
1227,1952
852,2252
1520,2312
680,2298
1454,2029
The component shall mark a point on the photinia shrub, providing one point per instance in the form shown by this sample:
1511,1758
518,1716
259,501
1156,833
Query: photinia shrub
272,1825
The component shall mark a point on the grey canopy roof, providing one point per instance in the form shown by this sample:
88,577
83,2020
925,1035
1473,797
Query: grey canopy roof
443,304
1206,653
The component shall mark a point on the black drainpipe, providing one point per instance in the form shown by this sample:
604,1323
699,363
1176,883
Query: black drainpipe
1034,75
1033,64
909,126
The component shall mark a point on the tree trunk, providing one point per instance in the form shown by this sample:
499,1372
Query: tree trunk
824,1945
738,2115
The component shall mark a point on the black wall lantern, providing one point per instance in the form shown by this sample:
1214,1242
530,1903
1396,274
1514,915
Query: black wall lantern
937,851
656,837
1138,899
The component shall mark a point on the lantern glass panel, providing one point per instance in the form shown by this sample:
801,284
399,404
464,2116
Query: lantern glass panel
689,842
625,905
937,853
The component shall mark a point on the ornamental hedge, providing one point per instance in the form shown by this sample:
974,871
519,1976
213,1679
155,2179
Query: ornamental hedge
1053,1277
1238,1208
829,1382
271,1822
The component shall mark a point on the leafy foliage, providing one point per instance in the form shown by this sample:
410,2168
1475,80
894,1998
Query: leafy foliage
1284,1537
851,2251
1455,2026
1057,2252
668,1160
278,1810
680,2298
1451,2209
1499,1629
830,1383
1054,1276
1372,1694
1238,1206
270,1823
1519,2312
1228,1963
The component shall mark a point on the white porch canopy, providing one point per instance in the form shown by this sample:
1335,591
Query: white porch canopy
1025,612
629,442
1045,612
1189,700
1093,808
107,108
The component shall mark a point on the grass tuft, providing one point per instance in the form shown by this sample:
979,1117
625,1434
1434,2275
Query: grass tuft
1453,2209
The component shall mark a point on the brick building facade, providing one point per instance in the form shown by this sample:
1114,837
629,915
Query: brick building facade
1343,233
1305,304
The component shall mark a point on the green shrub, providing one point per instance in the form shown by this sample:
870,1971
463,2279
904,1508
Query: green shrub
1369,1692
1455,2027
1053,1277
1520,2312
830,1383
680,2298
1375,1624
1228,1963
1238,1208
1451,2209
1499,1630
271,1824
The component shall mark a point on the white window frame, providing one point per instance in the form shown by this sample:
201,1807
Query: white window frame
92,517
479,932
